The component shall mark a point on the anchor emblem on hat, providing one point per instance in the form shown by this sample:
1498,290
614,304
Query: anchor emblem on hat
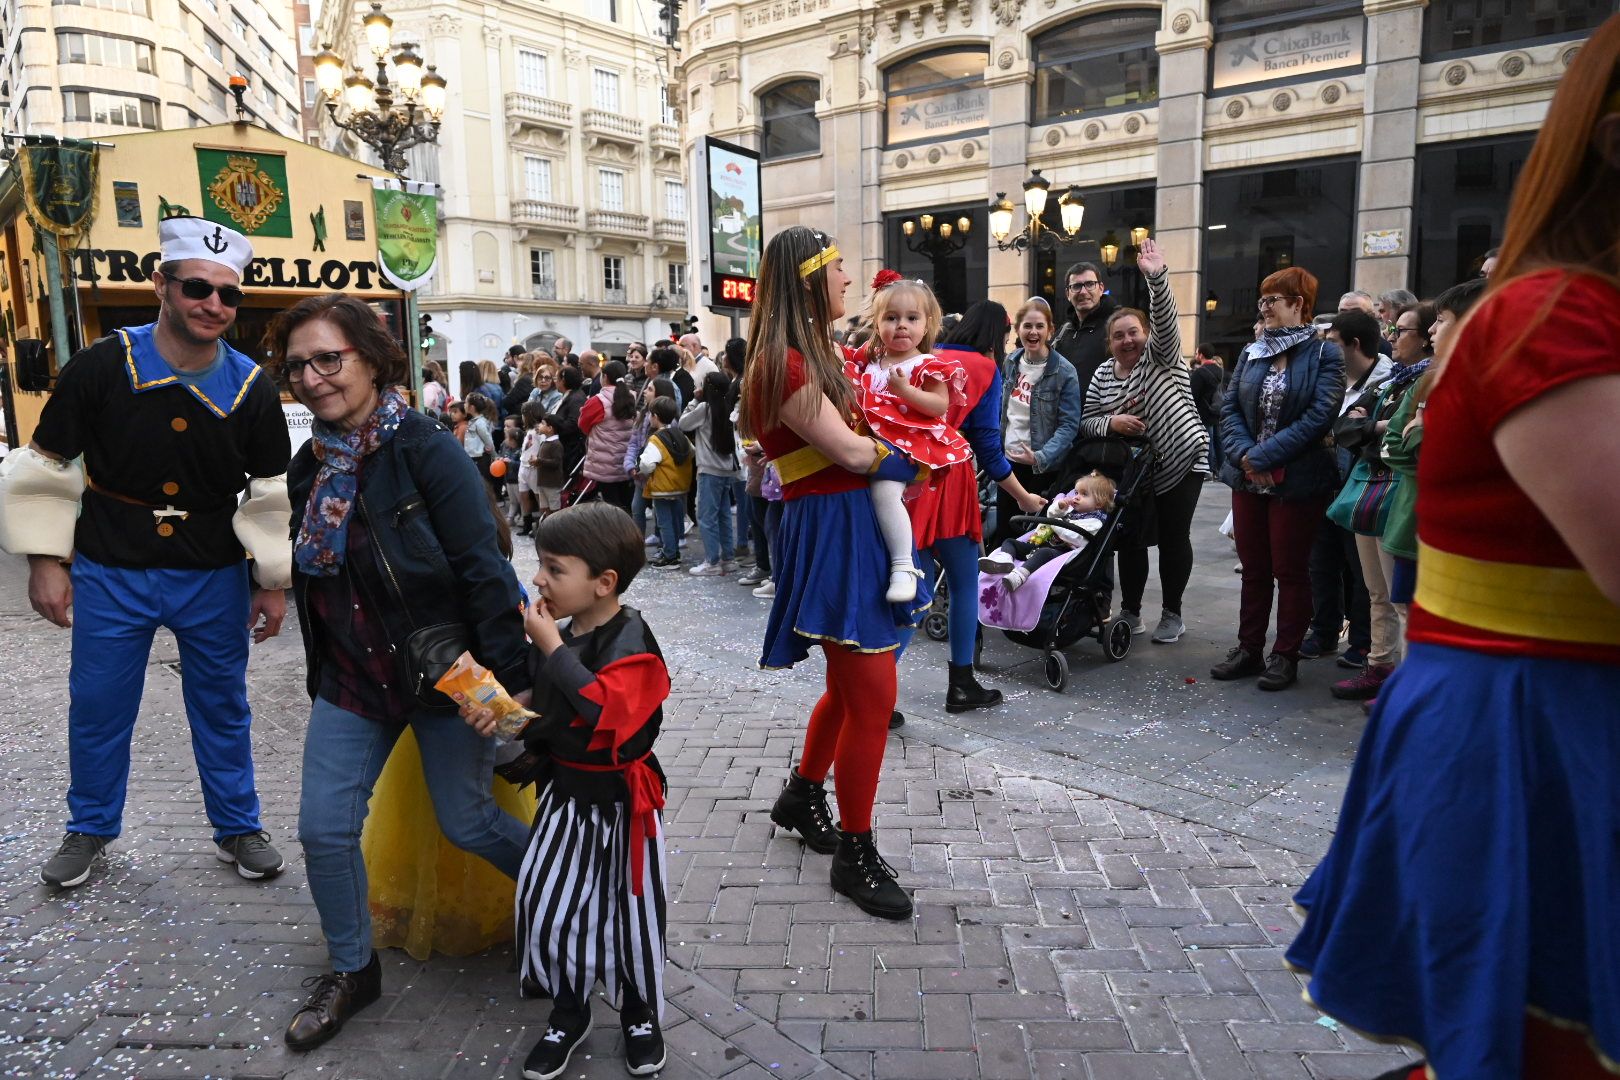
216,243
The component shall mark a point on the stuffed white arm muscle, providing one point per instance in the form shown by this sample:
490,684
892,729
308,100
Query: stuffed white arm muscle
261,524
39,503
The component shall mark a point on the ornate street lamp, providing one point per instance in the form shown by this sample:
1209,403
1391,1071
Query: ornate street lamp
1071,210
936,239
398,109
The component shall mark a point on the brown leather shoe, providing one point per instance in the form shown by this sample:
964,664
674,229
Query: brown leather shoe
336,997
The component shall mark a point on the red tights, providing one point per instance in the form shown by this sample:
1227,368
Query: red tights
850,726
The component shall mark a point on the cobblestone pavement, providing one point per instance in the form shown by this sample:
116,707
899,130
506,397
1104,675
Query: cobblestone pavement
1058,934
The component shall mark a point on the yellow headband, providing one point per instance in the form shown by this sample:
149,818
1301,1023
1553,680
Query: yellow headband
818,260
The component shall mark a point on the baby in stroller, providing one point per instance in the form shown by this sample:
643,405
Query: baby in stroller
1087,506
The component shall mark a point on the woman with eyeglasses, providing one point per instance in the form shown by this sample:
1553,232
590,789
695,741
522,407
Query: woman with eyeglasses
546,390
1278,409
396,565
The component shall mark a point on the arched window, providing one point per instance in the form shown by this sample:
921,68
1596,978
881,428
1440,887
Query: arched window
1094,64
936,95
789,113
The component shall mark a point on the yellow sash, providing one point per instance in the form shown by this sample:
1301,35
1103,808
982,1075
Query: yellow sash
1543,602
800,463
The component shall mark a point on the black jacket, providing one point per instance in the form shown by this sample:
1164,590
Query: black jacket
435,553
1084,342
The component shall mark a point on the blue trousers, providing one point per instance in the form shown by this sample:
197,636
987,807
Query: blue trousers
343,756
669,514
715,509
115,613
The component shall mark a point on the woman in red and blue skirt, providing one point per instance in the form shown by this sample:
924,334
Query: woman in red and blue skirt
1470,903
831,566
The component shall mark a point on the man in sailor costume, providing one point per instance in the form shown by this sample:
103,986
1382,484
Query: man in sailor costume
130,506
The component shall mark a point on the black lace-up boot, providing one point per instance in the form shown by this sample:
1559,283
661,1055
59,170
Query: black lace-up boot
861,874
802,807
965,692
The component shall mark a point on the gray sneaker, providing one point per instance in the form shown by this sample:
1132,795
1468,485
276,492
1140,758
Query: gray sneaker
73,861
252,854
1134,621
1170,629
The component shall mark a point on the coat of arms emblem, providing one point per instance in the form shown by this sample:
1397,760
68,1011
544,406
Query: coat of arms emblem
245,192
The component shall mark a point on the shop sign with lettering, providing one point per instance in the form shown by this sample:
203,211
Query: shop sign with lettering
1310,48
114,267
945,112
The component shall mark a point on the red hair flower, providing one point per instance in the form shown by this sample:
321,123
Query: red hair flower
884,278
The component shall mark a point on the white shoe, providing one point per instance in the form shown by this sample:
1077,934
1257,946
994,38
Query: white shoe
997,562
765,591
1015,579
653,541
902,585
706,569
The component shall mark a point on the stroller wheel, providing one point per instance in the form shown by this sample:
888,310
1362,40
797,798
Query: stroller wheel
1057,671
1116,639
937,625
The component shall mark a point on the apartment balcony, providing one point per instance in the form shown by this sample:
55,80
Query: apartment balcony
535,214
526,110
666,139
614,221
670,231
606,127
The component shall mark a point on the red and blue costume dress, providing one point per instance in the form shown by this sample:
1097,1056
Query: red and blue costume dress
590,896
1475,876
833,565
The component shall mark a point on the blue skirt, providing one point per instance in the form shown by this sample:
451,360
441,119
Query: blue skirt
1475,873
831,571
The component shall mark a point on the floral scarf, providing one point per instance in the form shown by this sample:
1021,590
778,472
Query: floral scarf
323,538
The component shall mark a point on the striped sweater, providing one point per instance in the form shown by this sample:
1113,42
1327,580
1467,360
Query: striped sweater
1159,390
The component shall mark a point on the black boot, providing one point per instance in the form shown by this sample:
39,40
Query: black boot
336,997
802,807
896,719
966,693
860,873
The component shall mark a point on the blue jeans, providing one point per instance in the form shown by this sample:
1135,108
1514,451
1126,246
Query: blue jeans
118,610
343,756
745,512
669,515
638,510
714,516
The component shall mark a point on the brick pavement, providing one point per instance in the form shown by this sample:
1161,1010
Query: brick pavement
1058,934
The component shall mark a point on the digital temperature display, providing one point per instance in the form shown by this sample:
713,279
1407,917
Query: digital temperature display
730,291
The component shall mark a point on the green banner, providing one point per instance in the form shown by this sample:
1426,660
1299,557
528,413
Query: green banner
245,191
59,184
407,220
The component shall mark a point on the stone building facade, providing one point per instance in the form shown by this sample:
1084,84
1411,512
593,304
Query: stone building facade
564,205
1374,143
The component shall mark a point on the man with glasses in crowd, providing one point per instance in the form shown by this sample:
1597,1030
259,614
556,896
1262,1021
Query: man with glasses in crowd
158,430
1083,338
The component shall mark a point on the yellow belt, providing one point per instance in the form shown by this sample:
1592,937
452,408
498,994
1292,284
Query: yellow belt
800,463
1543,602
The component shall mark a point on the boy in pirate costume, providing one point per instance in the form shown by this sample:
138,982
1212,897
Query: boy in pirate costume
590,896
158,430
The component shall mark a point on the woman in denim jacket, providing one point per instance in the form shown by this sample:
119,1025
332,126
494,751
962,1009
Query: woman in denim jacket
1275,419
1040,410
392,533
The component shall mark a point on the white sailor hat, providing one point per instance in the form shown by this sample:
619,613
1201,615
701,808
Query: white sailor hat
198,238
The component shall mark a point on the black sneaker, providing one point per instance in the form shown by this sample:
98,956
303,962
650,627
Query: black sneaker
252,854
1315,647
564,1033
1281,673
74,860
1239,663
643,1042
1353,658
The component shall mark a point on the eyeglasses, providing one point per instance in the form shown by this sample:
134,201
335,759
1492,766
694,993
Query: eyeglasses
1395,332
198,289
1084,286
1268,301
326,364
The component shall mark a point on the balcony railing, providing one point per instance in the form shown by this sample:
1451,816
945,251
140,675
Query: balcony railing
666,137
544,215
614,296
667,229
539,111
616,221
611,126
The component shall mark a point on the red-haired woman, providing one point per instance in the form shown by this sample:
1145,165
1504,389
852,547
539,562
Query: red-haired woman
1282,400
830,564
1468,903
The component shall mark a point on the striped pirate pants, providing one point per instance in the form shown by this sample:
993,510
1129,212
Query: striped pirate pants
577,920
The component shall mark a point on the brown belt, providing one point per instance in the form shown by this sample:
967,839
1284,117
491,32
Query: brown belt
158,511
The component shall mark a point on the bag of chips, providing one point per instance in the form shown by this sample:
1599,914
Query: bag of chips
478,685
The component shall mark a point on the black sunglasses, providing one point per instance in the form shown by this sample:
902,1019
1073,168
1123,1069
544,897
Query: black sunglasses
198,289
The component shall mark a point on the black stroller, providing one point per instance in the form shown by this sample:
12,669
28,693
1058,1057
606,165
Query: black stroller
1079,597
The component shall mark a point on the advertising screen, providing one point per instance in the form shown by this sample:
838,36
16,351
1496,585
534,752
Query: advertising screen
735,240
